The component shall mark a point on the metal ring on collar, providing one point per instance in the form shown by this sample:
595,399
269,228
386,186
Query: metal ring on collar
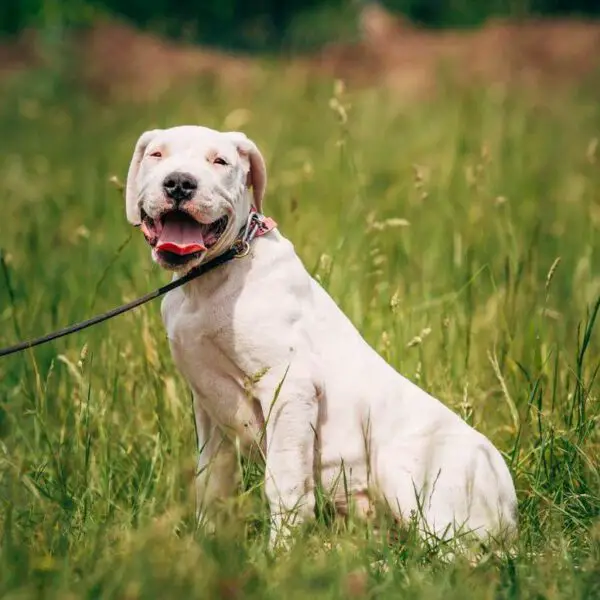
242,249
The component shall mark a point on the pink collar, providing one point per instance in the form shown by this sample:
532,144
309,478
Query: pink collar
258,225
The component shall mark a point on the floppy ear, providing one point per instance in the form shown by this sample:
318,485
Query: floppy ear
131,192
257,175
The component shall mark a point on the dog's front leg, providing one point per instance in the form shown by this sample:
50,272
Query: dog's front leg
217,475
291,423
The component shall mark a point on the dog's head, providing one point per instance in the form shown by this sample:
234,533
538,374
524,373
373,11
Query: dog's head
188,188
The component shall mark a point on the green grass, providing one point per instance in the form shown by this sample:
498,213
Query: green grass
485,295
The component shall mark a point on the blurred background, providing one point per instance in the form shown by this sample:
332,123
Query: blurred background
137,49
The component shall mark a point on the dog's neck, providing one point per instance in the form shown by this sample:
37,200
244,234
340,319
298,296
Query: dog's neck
213,280
230,275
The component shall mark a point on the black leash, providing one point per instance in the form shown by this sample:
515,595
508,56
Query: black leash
238,249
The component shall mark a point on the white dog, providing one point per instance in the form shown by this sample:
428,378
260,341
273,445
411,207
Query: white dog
274,364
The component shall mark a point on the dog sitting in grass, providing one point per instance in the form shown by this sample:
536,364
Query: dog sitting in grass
275,366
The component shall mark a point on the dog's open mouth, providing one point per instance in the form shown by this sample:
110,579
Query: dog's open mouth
177,233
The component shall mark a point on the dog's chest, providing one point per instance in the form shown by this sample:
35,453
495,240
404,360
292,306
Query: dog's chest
201,345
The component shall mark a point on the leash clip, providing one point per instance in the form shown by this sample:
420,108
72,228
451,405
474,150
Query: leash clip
253,224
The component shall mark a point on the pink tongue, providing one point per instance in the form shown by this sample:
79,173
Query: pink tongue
181,236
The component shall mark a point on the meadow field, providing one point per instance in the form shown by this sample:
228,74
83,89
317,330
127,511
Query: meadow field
459,233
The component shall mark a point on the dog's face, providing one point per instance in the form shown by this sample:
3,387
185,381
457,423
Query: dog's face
187,188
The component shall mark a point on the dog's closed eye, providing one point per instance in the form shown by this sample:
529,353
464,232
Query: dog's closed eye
219,160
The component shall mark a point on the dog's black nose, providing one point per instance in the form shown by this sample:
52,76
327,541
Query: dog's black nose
180,186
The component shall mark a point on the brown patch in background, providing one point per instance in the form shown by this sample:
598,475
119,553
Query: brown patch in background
18,55
117,60
396,54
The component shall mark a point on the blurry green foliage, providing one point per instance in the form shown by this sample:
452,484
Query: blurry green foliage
461,13
266,24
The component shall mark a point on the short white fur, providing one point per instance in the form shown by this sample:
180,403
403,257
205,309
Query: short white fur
262,323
